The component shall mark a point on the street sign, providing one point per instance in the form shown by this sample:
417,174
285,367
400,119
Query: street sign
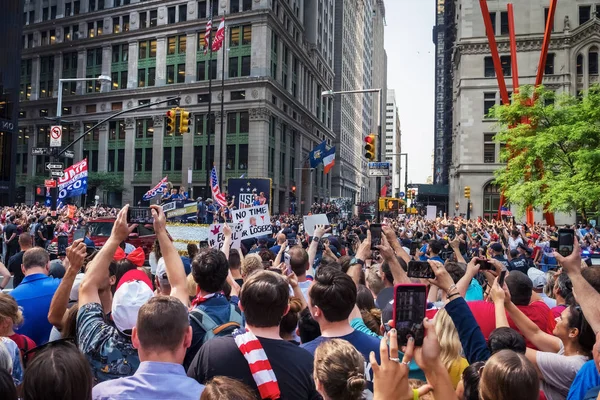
68,154
56,173
402,195
379,168
50,183
54,165
41,151
55,136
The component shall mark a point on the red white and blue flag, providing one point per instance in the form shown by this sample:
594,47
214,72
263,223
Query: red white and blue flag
216,192
207,35
219,37
150,194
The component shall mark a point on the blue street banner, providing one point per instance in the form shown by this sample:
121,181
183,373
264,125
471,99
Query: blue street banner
247,192
316,155
74,181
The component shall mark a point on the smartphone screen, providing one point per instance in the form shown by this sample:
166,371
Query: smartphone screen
63,242
501,279
410,303
420,269
565,241
139,215
485,265
375,235
79,234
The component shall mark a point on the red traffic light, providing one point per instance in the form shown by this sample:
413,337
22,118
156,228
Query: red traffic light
170,114
369,139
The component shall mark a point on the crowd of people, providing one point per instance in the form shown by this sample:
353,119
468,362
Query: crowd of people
324,208
293,316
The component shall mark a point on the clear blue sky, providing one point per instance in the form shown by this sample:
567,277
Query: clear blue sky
411,62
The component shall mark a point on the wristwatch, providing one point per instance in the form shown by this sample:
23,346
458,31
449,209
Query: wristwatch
316,239
357,261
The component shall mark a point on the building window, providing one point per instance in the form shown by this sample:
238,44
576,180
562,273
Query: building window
119,80
247,5
243,156
202,9
182,12
230,157
153,18
504,23
489,101
549,68
489,71
203,124
491,201
489,148
580,64
506,65
240,32
198,158
585,13
238,95
176,44
144,129
46,88
274,45
546,13
202,70
238,122
593,61
146,77
171,15
234,6
147,49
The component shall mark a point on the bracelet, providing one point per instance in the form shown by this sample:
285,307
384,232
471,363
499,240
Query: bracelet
316,239
415,394
452,295
451,288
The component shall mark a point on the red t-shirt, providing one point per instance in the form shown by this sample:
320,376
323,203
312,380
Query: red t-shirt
537,311
24,343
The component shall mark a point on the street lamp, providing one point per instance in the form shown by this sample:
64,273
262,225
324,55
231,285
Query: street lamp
331,93
101,79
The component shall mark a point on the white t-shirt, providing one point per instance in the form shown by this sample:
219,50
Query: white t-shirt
514,243
153,263
558,372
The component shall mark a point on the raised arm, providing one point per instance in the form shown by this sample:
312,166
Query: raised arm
173,263
363,252
465,281
314,244
227,242
60,301
390,235
390,257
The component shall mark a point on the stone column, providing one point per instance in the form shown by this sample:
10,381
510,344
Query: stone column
129,155
258,163
157,149
78,147
35,78
190,57
261,54
132,65
81,66
106,63
286,173
161,61
103,148
277,166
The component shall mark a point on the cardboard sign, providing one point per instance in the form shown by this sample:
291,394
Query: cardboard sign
431,213
310,221
255,221
216,238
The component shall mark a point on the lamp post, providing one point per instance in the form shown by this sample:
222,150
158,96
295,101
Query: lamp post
380,108
101,79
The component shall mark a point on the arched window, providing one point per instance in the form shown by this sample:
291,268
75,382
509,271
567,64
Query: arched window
580,64
593,61
491,201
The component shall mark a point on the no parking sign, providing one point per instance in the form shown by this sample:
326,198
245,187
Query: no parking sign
56,136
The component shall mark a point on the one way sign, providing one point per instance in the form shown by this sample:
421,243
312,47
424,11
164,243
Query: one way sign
54,165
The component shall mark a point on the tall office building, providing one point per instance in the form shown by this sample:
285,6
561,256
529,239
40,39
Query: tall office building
379,81
572,66
274,68
10,67
393,138
354,43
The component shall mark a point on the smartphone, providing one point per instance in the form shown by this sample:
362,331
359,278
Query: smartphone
139,215
420,269
204,244
291,242
485,265
375,236
286,259
63,242
554,244
501,279
410,304
565,241
79,234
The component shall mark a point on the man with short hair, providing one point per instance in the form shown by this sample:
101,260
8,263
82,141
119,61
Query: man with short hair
258,356
161,336
10,238
15,262
300,265
39,233
331,300
34,295
281,238
497,252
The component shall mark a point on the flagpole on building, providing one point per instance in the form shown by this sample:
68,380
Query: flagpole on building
208,166
222,111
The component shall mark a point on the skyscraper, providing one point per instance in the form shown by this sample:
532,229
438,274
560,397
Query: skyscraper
393,136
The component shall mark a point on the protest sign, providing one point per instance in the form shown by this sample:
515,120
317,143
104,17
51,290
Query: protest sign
310,221
255,221
431,211
216,237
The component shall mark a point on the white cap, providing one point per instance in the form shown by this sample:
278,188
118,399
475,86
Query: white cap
161,273
132,293
538,278
74,296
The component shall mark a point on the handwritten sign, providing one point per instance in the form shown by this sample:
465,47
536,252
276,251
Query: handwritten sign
216,237
255,221
311,221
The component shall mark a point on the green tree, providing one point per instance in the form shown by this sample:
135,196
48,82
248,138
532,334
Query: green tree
553,150
106,181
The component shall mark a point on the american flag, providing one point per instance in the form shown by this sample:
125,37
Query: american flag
216,192
207,35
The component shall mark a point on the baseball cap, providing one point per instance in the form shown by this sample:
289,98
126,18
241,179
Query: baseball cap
133,291
538,278
161,273
74,295
497,247
57,269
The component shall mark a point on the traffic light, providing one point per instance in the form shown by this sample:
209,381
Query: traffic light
413,194
171,121
467,192
370,152
184,122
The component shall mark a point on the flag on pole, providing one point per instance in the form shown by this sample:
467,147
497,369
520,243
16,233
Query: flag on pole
207,35
220,36
216,192
329,159
150,194
316,155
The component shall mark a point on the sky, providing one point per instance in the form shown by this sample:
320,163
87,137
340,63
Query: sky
411,62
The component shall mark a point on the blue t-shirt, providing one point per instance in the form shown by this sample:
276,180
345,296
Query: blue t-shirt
364,343
587,378
474,292
34,296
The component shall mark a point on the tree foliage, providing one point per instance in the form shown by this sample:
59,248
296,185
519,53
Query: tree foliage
106,181
553,150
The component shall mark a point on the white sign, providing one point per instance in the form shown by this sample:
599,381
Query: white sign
431,211
379,168
255,221
56,136
216,237
310,221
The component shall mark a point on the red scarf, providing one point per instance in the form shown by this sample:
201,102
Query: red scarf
201,299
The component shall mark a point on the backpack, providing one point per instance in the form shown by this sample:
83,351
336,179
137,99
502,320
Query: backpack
211,328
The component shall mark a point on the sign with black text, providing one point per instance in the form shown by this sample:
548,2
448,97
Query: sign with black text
216,237
247,192
255,221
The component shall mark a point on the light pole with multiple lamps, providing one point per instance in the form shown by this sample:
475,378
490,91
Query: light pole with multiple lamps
331,93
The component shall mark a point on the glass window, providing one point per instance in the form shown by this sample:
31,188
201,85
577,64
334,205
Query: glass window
231,122
143,16
181,73
234,39
201,71
233,67
138,164
230,158
234,6
126,23
182,44
198,158
244,122
167,159
182,12
245,66
148,160
143,50
238,95
153,18
178,163
504,23
151,76
171,41
116,25
580,64
243,156
141,77
171,15
170,74
153,48
584,14
549,69
202,9
489,71
246,5
593,61
489,101
246,35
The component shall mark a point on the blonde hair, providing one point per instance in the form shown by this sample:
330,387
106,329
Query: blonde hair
192,286
448,338
252,262
10,309
509,375
341,370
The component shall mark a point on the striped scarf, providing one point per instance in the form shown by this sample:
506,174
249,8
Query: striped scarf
259,364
